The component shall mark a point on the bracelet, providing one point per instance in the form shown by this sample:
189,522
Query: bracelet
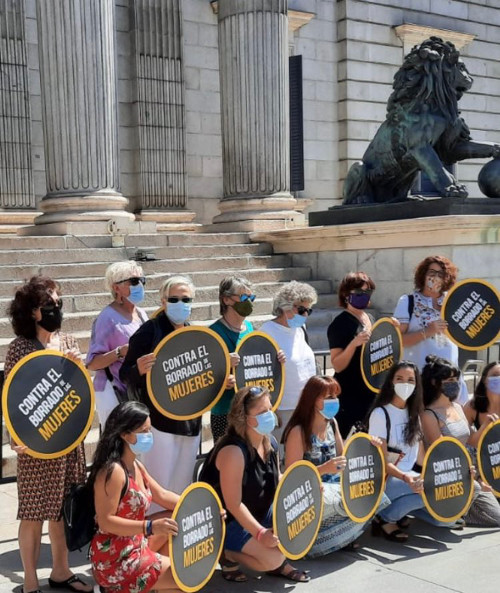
260,533
149,528
118,352
423,333
144,527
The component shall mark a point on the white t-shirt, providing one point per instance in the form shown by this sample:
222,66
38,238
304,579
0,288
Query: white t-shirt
398,420
300,363
439,345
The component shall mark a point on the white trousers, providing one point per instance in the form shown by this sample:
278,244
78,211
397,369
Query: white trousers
105,402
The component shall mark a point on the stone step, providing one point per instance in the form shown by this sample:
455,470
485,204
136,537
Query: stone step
171,266
92,283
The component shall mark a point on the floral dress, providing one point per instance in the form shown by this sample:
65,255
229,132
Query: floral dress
125,564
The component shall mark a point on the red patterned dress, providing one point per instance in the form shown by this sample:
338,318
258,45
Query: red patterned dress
125,564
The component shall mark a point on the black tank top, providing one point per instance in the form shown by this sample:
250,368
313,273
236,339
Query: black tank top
260,478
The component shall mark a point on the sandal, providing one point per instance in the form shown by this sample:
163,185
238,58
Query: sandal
34,591
404,522
299,576
396,535
69,584
231,571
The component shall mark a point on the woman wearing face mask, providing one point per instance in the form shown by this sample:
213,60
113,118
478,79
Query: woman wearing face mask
179,437
394,419
444,417
419,314
484,407
243,468
292,306
346,335
42,484
111,333
129,552
236,304
312,434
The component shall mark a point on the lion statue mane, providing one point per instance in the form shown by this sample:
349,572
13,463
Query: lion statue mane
423,130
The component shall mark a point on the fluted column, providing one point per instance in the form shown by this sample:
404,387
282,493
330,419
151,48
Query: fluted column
79,111
253,54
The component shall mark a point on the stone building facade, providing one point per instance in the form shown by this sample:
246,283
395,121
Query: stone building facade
177,110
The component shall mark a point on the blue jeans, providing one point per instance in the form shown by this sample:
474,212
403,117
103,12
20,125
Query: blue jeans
403,500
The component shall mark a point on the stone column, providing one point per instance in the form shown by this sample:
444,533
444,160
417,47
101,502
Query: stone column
253,54
79,111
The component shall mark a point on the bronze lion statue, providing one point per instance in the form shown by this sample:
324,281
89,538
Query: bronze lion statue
423,130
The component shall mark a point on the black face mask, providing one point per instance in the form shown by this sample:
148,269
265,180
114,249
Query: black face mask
51,318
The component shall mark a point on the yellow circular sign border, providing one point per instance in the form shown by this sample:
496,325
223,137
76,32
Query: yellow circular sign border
424,467
5,409
157,312
160,345
188,490
382,490
283,371
363,348
284,551
479,463
445,302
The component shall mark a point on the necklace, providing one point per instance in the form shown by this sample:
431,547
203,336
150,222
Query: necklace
232,327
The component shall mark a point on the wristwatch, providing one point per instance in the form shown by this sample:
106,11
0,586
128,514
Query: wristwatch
118,353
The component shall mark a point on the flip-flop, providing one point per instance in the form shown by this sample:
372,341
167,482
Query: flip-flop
68,584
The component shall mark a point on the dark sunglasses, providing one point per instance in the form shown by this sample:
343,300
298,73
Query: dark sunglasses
361,291
134,281
177,299
301,310
51,305
246,297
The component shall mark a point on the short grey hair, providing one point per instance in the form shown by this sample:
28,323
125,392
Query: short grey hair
291,293
120,270
176,281
230,285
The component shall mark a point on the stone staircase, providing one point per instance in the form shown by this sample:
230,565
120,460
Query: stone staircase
79,264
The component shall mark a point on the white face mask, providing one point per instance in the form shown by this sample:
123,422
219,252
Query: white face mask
404,390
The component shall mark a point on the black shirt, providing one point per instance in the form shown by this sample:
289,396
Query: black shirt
144,341
355,398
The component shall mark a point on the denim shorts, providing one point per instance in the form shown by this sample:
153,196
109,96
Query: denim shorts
237,537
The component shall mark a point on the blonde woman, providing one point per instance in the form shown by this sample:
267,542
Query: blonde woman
111,332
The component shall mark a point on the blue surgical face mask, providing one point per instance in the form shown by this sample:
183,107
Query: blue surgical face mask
330,408
265,422
297,321
451,389
136,295
178,312
143,444
493,384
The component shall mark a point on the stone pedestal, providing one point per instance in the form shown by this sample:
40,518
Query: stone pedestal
253,54
79,106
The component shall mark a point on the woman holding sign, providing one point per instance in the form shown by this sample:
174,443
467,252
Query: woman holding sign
111,332
484,407
444,417
419,314
129,552
243,468
313,434
42,484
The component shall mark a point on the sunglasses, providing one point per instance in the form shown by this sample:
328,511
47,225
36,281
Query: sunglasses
177,299
246,297
361,291
133,281
301,310
51,305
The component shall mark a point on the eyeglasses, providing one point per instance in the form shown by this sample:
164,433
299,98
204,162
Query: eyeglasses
361,291
134,281
301,310
51,305
245,297
177,299
434,273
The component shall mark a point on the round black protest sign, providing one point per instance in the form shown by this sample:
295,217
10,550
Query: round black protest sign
297,509
363,480
190,372
488,456
195,550
383,349
259,366
448,484
472,311
48,403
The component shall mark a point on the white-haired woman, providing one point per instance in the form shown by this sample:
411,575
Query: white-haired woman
292,306
171,459
236,304
111,332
